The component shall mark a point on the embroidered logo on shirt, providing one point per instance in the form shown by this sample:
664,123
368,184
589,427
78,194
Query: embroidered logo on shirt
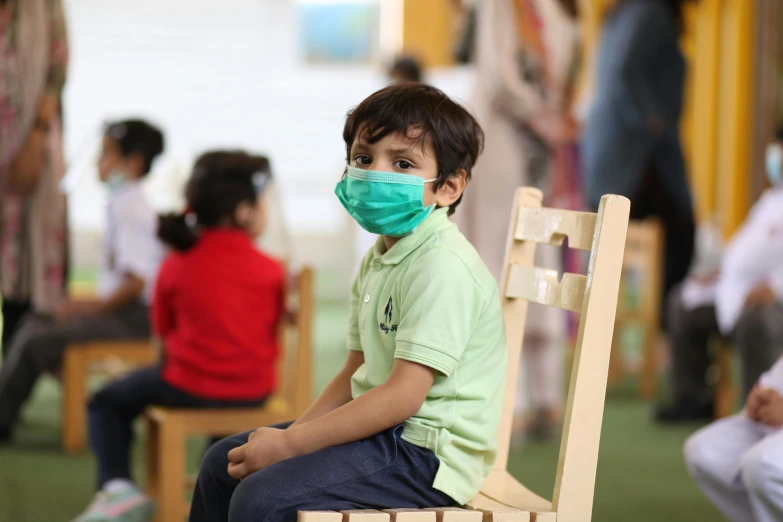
388,315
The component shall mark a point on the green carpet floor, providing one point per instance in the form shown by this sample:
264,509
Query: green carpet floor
641,476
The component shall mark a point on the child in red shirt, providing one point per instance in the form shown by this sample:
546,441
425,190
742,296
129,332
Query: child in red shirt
216,308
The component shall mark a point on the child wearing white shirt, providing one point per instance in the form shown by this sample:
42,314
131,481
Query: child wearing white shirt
131,258
738,461
744,303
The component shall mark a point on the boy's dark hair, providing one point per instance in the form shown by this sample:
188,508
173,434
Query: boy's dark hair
220,182
137,137
423,113
779,133
407,68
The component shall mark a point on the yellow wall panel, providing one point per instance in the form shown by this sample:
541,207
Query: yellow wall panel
428,31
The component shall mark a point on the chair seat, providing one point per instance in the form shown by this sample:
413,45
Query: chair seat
222,421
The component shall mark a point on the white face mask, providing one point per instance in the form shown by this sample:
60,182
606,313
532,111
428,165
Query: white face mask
116,180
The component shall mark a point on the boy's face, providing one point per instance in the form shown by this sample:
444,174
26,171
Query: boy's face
406,155
111,160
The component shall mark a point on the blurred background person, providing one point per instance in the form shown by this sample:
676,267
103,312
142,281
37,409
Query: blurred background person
33,224
631,142
405,69
524,52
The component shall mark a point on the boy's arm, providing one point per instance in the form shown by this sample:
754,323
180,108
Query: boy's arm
129,291
381,408
336,394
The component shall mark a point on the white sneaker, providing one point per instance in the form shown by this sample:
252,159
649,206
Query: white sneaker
126,504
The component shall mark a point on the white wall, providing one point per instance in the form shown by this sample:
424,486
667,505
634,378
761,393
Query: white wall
215,74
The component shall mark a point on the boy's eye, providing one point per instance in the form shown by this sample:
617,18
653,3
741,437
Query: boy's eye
402,164
362,160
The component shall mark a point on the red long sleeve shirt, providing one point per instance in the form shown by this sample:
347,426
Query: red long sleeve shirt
217,307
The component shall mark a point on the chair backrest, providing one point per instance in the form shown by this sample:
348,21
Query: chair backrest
594,296
644,254
296,342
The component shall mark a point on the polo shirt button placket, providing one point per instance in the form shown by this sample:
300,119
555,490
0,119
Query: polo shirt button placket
378,266
367,298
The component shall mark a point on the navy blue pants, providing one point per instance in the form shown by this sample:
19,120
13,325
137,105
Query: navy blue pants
113,409
380,472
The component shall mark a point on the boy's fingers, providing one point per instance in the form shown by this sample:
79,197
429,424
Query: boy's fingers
236,471
237,455
250,437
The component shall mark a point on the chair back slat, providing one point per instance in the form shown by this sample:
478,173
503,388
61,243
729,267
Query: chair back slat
594,296
294,365
551,226
540,285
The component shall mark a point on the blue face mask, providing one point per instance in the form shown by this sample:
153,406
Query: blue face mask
384,203
116,180
774,164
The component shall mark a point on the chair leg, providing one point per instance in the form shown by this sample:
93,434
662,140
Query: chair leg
649,377
725,393
153,458
74,416
171,472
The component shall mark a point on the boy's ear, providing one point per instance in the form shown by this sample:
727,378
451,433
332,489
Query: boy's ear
452,189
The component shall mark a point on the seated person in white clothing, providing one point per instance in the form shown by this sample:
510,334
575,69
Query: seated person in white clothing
738,461
130,262
742,301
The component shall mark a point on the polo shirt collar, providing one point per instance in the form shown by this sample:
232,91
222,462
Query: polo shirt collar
438,220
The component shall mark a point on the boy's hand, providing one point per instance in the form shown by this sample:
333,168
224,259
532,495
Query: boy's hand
264,447
761,296
771,411
754,403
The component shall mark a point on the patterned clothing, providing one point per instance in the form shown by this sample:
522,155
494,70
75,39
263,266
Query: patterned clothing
33,60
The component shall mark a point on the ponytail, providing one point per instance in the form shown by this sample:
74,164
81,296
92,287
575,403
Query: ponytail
174,230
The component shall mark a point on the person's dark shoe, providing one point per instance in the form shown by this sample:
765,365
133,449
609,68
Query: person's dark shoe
685,411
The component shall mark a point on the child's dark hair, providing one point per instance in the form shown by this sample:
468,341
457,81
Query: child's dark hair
137,137
779,133
220,182
423,113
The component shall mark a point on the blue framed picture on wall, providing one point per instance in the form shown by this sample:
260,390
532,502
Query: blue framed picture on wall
338,32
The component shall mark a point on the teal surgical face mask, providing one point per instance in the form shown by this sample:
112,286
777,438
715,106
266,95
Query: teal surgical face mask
115,180
774,164
384,203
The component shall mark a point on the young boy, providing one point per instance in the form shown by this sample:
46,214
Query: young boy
411,419
130,263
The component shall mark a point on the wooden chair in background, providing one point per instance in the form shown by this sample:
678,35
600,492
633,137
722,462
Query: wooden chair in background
168,428
82,361
644,259
725,389
594,296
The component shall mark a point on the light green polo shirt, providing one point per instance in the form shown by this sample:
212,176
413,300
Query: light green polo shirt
431,300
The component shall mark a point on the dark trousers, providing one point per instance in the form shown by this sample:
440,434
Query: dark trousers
380,472
13,313
758,336
112,410
40,342
652,200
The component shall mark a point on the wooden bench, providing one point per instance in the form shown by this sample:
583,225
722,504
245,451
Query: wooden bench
168,428
79,362
644,257
594,297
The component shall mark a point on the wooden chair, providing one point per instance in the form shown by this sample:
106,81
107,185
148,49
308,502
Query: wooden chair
81,361
168,428
644,256
725,390
594,296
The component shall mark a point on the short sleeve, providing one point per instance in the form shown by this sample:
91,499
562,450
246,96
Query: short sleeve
137,250
439,309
